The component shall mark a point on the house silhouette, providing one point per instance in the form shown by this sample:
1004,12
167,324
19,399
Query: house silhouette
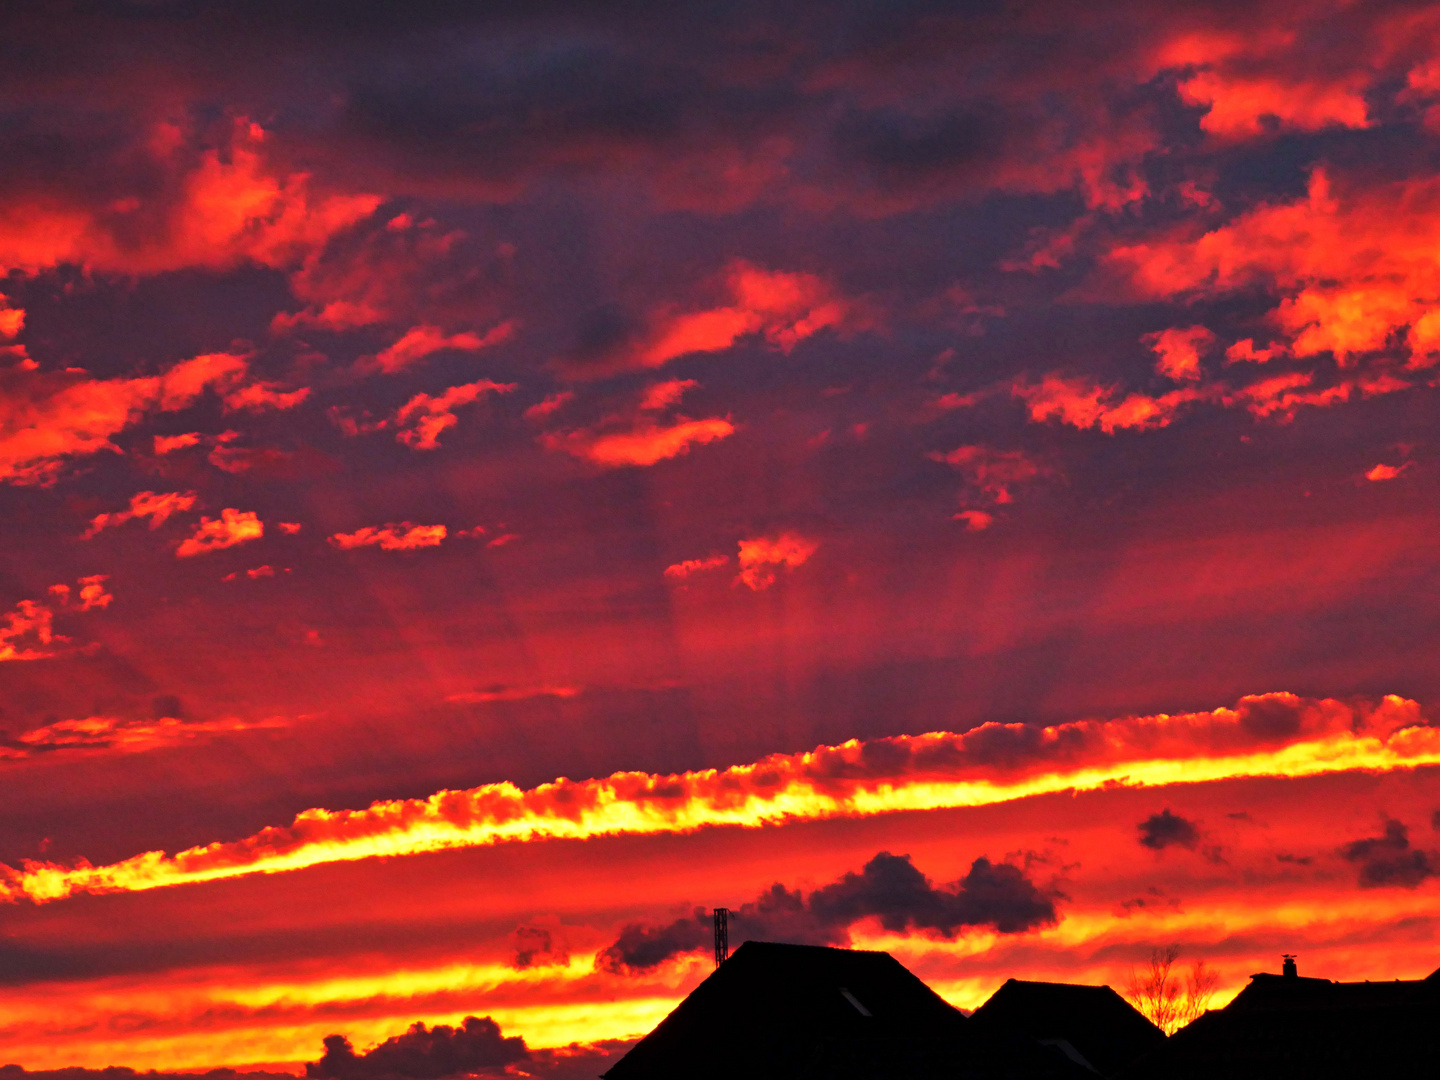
1284,1026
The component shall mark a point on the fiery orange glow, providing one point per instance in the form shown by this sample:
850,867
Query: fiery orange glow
994,763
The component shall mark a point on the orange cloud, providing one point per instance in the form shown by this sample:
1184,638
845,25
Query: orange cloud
781,309
214,534
290,527
975,520
422,418
147,504
1387,472
12,320
1282,395
541,409
393,536
27,632
1238,106
637,439
420,341
646,444
993,472
1268,735
164,444
1355,268
259,396
1244,351
1179,350
763,556
1083,403
48,417
109,733
231,208
92,592
681,570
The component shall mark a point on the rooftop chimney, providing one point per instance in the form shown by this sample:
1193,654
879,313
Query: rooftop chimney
1288,968
722,935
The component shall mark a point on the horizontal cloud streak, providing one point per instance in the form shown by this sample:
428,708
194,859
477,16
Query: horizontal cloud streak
1267,735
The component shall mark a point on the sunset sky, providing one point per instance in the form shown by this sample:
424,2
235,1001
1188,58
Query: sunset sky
483,484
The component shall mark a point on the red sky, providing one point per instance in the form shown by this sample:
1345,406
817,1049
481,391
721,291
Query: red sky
481,484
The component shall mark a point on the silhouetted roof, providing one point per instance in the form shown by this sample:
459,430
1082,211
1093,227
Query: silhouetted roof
799,1011
1279,1027
1092,1023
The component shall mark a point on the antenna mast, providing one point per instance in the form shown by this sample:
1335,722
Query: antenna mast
722,935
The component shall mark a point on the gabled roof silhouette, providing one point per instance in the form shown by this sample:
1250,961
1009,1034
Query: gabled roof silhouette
1280,1027
1091,1024
799,1012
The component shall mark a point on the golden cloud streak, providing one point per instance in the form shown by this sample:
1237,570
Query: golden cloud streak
1274,735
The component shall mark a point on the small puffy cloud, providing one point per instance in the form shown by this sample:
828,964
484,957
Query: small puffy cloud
421,341
681,570
553,403
421,419
644,445
502,540
422,1054
27,632
1179,350
157,506
1167,829
12,320
638,438
165,444
1245,352
1083,403
1390,860
1387,472
259,396
975,520
779,308
290,528
763,556
993,472
92,593
232,527
538,946
47,418
392,536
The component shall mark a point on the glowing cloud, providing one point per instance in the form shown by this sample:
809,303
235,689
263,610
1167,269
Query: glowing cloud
1355,267
231,208
92,593
109,733
394,536
421,341
27,632
259,396
1387,472
637,438
763,556
681,570
49,417
1270,735
1180,350
422,418
147,504
1083,403
215,534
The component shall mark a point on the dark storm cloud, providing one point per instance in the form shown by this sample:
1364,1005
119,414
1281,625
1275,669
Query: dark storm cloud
1167,829
641,947
421,1053
888,888
1389,859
